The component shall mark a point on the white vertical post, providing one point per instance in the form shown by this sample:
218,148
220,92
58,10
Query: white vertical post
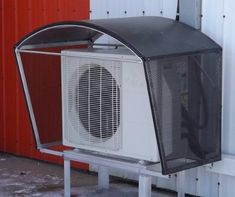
103,178
180,184
67,178
145,186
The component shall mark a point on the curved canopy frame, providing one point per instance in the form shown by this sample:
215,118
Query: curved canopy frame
154,40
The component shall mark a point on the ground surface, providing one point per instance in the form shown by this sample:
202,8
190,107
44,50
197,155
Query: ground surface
25,177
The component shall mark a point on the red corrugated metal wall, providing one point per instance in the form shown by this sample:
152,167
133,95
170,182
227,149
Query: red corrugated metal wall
17,18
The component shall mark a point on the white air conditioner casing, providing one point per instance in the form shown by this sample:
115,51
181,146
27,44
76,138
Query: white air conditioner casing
88,108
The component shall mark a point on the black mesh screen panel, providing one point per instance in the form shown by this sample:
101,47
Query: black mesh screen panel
185,94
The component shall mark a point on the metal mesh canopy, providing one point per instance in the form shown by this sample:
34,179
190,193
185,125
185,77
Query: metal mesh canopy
183,74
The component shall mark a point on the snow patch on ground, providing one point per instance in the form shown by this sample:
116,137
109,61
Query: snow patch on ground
26,190
24,183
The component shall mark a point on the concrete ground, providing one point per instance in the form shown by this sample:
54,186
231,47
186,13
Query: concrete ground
21,177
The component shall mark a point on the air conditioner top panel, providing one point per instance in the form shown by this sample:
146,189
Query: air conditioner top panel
148,37
109,54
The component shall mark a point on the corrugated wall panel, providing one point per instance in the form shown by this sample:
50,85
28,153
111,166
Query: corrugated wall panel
212,19
169,8
133,8
10,77
229,78
19,17
128,8
1,74
227,186
25,25
218,22
153,7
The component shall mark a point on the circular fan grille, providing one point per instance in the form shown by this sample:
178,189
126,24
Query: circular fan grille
98,102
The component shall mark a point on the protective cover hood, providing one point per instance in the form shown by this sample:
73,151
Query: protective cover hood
182,67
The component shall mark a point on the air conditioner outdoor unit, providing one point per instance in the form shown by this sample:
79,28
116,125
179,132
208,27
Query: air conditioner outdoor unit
106,106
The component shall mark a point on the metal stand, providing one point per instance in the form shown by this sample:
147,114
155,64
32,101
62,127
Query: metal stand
67,178
180,184
145,186
103,178
145,171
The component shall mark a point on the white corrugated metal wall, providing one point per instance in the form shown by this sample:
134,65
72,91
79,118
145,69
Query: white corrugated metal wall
218,22
122,8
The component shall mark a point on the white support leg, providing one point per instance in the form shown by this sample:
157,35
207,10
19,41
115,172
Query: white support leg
67,178
145,186
180,184
103,178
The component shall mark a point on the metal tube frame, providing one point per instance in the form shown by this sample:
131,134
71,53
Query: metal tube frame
145,171
103,178
28,99
64,55
56,44
180,184
67,178
145,184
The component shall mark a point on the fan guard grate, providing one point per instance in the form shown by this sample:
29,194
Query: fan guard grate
94,95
